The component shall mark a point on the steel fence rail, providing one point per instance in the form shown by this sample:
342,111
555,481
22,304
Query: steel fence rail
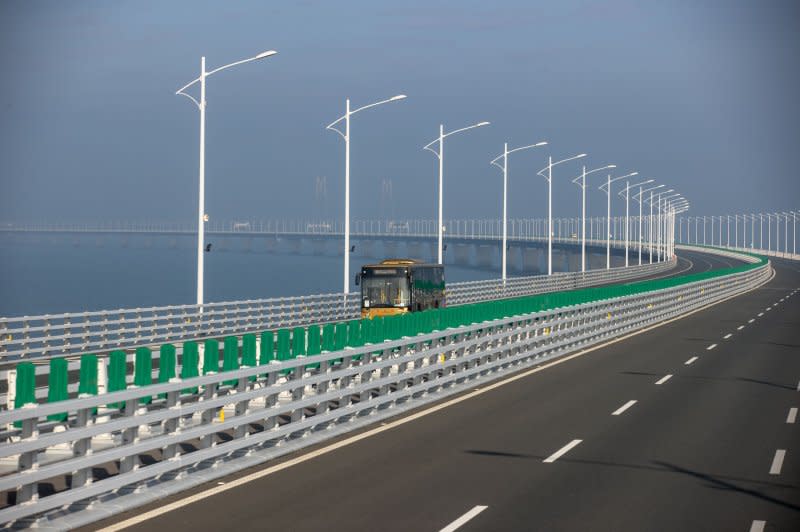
279,407
46,336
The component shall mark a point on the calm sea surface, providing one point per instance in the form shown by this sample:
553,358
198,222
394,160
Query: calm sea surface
49,274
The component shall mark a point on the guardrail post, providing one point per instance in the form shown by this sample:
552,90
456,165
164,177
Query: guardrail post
129,436
27,493
81,448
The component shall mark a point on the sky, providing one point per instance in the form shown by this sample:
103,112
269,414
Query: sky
698,95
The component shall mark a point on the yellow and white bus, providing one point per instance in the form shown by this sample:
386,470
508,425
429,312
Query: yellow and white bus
397,286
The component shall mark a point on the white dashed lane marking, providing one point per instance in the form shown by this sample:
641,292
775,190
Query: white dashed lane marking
712,346
740,327
792,417
690,361
727,336
758,526
559,453
663,379
624,407
777,462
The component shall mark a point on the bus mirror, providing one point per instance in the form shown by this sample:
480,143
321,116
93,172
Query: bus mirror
358,279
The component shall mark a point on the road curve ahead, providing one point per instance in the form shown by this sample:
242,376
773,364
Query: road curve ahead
691,425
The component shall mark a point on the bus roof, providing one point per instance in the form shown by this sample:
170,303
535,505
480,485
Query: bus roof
399,262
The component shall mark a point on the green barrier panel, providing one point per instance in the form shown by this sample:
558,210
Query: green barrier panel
190,362
314,344
249,353
26,387
340,337
166,365
143,370
57,386
284,344
314,340
353,333
117,374
267,354
329,337
87,384
211,356
230,357
284,348
298,342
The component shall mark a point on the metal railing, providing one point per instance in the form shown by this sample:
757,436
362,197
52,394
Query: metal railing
46,336
280,407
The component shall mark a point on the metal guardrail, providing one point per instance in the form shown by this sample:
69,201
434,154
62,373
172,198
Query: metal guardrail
280,407
739,250
46,336
488,290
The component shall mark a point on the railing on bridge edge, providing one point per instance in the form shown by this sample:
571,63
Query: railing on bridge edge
296,402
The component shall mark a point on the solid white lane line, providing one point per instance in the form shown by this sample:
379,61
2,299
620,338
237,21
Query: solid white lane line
463,519
664,379
690,361
740,327
758,526
727,336
792,417
559,453
751,320
624,407
712,346
777,462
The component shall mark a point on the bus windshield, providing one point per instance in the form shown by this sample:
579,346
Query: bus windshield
385,291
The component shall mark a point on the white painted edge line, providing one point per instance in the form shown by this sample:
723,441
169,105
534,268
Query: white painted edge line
325,450
664,379
758,526
727,336
690,361
458,523
559,453
792,417
740,327
712,346
751,320
777,462
624,407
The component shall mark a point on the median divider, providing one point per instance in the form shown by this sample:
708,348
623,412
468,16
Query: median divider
287,344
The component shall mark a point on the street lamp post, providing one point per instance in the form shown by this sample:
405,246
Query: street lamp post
582,185
657,224
346,136
627,224
549,178
504,168
607,190
201,105
440,156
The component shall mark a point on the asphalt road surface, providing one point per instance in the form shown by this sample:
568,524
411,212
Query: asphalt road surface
688,426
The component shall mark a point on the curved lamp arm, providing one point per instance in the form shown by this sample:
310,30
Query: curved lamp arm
434,141
610,166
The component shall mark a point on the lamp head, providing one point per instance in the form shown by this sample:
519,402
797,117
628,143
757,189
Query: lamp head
398,97
268,53
482,124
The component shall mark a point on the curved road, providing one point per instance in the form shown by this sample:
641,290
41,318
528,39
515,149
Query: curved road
688,426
